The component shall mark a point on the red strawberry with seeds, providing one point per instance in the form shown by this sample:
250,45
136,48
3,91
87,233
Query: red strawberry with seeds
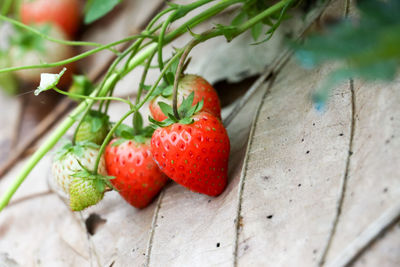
188,84
137,177
63,13
194,150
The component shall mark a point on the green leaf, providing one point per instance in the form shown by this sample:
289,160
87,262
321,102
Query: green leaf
170,76
256,30
148,131
140,139
368,48
167,91
97,123
138,121
119,142
186,120
186,105
145,87
166,109
239,19
155,124
96,9
123,130
100,185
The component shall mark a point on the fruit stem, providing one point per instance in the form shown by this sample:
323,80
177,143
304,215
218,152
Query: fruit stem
108,138
94,97
161,38
178,73
140,90
72,59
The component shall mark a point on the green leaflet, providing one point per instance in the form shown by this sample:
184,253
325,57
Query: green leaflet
368,48
96,9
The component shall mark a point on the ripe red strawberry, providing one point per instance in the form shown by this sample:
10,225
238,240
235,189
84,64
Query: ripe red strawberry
188,84
63,13
194,153
137,177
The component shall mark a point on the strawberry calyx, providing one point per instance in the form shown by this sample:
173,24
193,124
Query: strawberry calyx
138,133
185,112
101,182
165,89
77,149
97,120
27,41
87,188
94,127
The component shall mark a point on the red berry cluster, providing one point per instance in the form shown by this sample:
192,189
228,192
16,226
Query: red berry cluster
193,154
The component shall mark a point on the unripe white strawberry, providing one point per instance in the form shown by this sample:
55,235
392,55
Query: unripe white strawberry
67,163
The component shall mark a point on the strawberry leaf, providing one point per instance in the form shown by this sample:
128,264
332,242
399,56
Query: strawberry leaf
96,9
140,139
167,91
119,142
256,30
186,120
137,122
123,130
100,185
166,109
155,124
239,19
186,105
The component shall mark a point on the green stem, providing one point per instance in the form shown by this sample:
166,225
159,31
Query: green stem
140,90
158,16
70,60
212,11
181,64
266,13
146,98
143,79
161,38
45,36
94,97
108,139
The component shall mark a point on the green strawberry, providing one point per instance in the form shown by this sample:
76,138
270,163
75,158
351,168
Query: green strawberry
71,159
94,128
83,193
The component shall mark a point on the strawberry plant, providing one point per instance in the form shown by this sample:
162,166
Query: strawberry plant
190,144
